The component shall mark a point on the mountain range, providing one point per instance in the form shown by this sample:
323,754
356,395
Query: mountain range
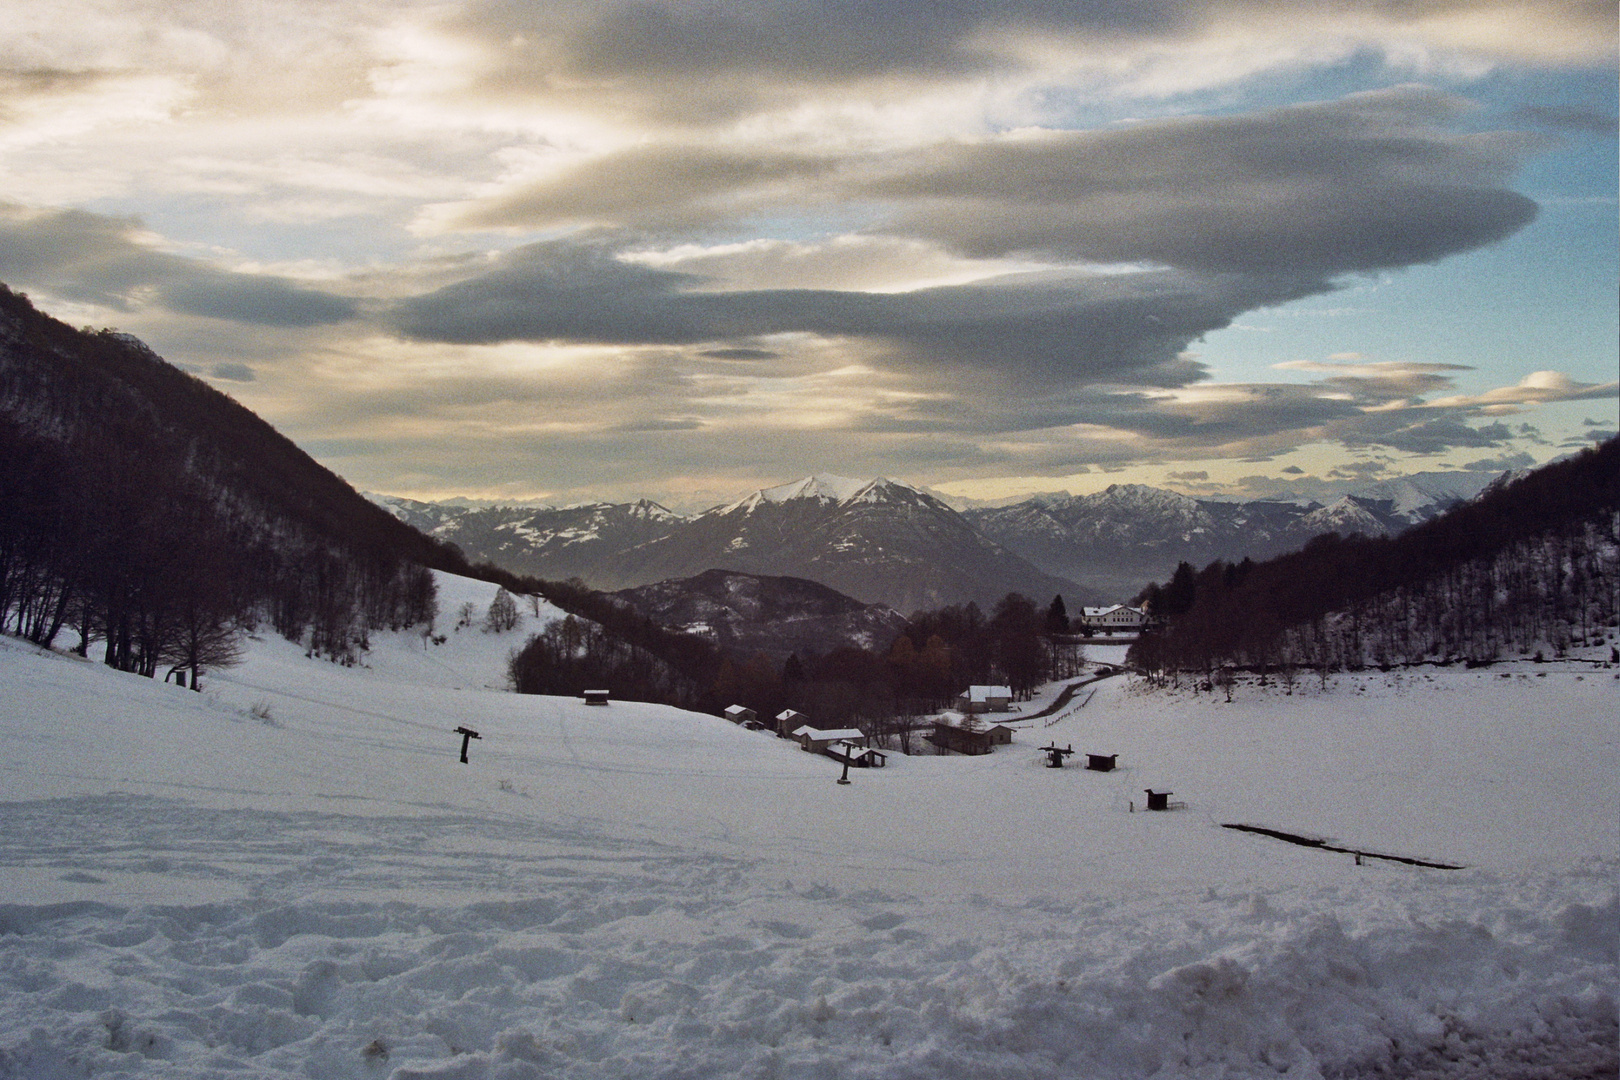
885,542
1121,538
879,541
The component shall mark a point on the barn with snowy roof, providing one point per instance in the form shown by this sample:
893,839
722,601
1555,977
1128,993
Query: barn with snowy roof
983,699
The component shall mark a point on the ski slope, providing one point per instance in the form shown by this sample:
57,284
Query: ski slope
291,874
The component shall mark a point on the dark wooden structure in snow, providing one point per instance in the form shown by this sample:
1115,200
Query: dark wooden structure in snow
862,757
965,740
595,697
1160,800
1101,762
1055,754
467,735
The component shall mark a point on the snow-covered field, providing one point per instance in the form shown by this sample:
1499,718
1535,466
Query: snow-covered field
291,874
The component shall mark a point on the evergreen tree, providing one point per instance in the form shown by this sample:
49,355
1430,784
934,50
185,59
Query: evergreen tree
1057,617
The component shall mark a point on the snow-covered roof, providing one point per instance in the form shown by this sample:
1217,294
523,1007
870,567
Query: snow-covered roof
789,714
737,710
985,693
843,733
819,735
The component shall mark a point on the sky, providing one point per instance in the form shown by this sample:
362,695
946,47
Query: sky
564,251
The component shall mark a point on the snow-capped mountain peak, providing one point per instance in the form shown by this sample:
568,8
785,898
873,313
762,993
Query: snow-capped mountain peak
1409,499
648,510
823,486
826,488
1345,515
884,490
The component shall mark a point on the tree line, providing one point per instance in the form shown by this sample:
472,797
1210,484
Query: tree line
882,691
1528,564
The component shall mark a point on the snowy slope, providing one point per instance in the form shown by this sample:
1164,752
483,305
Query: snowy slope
190,887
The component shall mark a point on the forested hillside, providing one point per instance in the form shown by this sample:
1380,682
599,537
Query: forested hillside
142,507
1531,565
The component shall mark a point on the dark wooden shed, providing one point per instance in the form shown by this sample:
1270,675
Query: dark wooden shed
1101,762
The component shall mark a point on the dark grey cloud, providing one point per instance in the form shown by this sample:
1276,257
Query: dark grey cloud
92,258
747,45
1418,432
1502,462
232,372
740,354
664,185
1360,470
1371,181
251,298
680,424
1569,118
1031,328
709,61
1595,435
19,85
1243,420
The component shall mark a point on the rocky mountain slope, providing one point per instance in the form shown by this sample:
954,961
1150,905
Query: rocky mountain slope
879,541
547,542
1129,534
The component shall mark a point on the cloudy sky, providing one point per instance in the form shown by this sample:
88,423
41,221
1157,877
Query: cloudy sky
613,248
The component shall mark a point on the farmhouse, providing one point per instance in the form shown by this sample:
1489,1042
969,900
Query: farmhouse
787,720
1117,618
739,714
981,699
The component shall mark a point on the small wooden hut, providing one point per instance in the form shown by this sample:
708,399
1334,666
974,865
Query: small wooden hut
965,740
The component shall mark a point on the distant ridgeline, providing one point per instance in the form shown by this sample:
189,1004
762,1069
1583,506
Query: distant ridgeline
142,507
1532,564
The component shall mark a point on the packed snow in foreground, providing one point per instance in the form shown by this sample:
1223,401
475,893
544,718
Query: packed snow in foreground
291,874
